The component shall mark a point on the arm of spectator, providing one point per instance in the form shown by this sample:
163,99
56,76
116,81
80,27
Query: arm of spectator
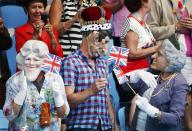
113,6
5,38
188,117
77,98
112,113
131,40
55,12
15,96
153,20
55,47
60,97
69,74
64,26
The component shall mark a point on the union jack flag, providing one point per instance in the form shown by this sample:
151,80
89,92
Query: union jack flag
120,75
52,63
118,56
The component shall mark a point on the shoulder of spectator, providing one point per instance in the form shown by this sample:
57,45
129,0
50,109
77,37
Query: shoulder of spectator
5,39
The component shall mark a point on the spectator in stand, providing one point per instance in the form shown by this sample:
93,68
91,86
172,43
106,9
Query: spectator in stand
35,100
161,102
68,21
6,43
120,13
172,19
38,28
85,76
137,37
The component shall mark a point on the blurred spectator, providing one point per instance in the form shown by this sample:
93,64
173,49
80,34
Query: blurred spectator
120,13
137,37
6,43
172,19
38,27
66,16
7,2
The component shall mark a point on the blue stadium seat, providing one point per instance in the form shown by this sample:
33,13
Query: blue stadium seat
121,116
13,15
3,122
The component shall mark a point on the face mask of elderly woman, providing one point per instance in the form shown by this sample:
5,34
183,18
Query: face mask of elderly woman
33,53
168,59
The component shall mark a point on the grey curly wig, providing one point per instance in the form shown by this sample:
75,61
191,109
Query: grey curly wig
38,48
176,58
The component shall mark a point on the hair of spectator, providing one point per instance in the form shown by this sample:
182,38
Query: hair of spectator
26,3
102,34
134,5
176,58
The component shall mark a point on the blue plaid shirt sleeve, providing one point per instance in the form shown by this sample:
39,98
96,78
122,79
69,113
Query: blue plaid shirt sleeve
68,72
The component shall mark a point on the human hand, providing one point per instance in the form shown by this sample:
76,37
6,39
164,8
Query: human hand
37,26
186,23
49,28
77,16
58,94
145,76
143,104
99,85
157,46
179,27
20,97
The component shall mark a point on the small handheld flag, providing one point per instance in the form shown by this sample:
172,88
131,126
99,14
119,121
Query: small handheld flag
121,77
52,63
118,55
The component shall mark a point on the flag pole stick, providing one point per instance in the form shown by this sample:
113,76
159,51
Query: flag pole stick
131,87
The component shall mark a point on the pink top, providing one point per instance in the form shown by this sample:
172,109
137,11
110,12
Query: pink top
118,19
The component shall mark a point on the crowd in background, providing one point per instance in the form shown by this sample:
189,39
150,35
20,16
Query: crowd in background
158,34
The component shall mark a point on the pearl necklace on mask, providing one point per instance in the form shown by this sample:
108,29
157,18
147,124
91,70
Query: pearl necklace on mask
169,78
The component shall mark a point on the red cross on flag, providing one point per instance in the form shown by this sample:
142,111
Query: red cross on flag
52,63
118,55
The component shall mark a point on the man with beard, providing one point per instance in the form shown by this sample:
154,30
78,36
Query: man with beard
85,76
34,99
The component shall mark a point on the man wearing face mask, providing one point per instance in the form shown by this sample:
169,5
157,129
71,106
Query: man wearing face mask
35,99
85,76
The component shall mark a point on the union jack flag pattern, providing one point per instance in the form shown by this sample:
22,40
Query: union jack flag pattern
120,75
52,63
118,55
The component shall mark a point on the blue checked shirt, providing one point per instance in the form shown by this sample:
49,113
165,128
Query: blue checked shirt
78,72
